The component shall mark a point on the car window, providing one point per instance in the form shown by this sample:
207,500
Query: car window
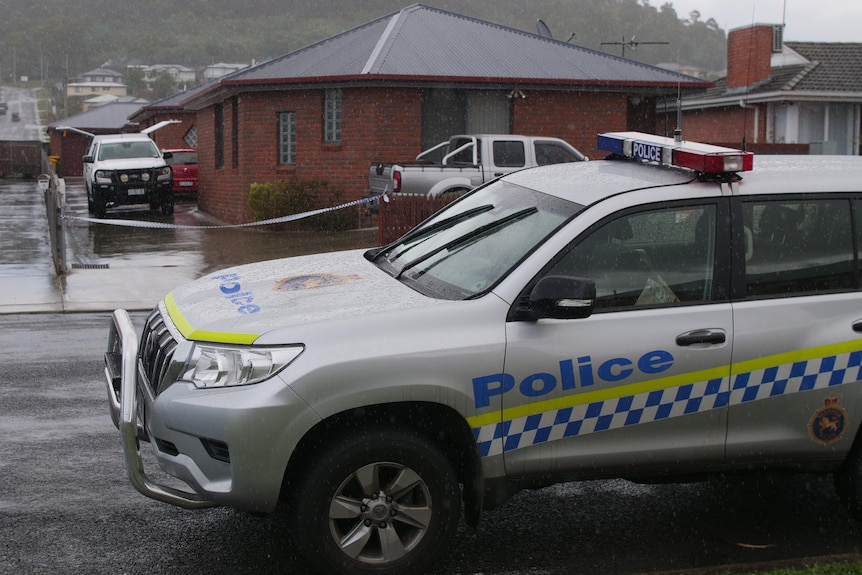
649,258
465,156
795,248
553,153
509,154
183,158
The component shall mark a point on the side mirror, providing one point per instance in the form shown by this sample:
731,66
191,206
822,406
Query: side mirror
88,159
558,297
167,155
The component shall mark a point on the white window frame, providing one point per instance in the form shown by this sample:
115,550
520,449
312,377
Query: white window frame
287,138
332,115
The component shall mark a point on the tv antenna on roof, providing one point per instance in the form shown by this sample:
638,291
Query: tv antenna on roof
545,32
633,44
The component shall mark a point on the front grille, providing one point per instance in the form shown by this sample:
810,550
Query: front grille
133,177
157,350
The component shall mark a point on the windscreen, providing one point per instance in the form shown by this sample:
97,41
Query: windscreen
126,150
465,249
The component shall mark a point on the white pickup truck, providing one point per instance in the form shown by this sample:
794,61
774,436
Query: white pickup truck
468,161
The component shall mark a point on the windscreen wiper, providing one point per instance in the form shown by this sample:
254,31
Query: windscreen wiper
442,224
469,236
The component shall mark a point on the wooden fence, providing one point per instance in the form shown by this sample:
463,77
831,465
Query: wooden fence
403,212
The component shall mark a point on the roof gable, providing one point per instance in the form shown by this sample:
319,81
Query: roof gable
419,42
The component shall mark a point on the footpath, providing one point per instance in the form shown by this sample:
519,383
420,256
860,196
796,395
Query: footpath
29,282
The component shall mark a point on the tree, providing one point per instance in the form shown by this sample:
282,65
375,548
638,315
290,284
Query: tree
135,84
163,86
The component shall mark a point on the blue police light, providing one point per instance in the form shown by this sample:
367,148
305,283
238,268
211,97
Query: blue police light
704,158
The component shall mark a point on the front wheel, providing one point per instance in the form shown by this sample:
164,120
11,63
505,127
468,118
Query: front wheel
382,501
167,205
100,206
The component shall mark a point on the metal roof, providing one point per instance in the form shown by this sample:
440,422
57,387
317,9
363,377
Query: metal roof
423,43
113,116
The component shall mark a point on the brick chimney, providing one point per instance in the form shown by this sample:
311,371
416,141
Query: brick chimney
749,52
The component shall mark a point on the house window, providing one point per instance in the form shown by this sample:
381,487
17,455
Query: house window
191,137
235,135
332,116
286,138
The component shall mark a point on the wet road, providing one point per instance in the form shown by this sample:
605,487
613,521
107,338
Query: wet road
24,103
66,506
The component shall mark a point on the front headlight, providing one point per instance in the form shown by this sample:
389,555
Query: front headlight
214,366
164,173
103,176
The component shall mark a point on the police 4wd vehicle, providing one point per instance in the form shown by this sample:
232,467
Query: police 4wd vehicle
674,311
126,169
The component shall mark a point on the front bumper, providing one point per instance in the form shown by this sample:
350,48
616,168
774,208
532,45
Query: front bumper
230,446
130,194
121,374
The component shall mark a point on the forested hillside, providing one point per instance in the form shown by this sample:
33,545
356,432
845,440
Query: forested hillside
39,39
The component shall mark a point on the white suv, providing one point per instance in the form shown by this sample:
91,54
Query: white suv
674,311
124,169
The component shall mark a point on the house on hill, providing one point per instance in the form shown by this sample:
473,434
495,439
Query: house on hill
387,89
791,97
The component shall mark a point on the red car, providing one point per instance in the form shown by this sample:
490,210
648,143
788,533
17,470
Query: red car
184,162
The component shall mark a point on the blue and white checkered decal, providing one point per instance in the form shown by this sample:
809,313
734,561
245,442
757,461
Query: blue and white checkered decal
626,410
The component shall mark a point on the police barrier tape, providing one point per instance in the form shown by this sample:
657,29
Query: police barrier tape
280,220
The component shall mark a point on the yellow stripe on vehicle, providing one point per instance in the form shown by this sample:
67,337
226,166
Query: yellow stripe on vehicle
190,333
800,371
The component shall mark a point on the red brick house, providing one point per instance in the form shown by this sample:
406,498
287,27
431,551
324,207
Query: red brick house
793,97
386,90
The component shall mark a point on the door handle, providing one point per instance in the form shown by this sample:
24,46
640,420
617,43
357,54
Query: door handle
709,336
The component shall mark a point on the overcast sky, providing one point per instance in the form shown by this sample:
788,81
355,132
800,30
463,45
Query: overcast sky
806,20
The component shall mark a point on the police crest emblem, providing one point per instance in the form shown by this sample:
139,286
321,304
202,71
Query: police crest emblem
828,423
313,281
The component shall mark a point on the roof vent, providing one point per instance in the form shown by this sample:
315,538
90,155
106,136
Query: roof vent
777,38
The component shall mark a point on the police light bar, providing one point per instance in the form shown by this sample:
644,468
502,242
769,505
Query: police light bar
704,158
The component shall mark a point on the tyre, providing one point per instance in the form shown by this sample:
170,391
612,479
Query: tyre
100,206
167,205
848,481
381,501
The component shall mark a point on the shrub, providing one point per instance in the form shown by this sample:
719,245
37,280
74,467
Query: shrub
271,200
